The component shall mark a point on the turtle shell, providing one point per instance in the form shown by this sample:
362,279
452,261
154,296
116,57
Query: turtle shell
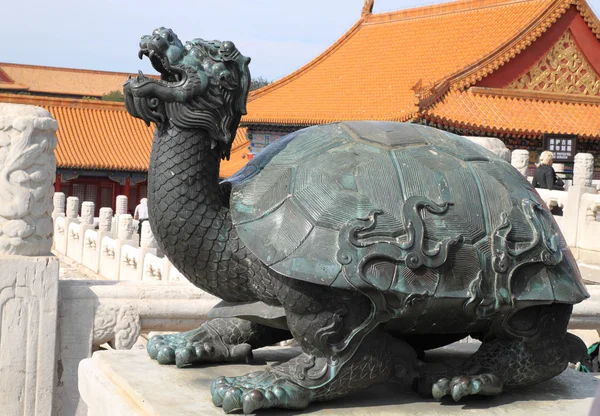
401,208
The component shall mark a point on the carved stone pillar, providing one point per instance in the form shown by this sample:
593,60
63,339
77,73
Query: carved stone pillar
147,238
58,201
106,215
583,171
77,232
121,205
121,210
72,207
126,229
520,161
91,252
87,213
28,271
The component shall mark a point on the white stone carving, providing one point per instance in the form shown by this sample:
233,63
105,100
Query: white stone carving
121,205
105,219
59,200
129,258
493,144
118,325
154,267
520,161
74,231
87,213
583,171
72,207
27,172
90,239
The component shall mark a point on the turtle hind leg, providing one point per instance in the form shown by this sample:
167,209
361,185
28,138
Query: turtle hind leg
322,321
216,340
506,363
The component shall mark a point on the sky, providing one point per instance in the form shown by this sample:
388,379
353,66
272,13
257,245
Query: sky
279,35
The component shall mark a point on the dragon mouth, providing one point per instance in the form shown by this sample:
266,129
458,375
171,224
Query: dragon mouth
160,63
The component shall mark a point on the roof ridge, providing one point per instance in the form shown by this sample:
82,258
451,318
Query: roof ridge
41,100
443,8
64,69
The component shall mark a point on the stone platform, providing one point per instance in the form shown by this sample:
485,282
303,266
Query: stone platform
120,383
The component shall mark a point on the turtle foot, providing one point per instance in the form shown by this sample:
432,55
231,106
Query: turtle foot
195,347
259,390
460,386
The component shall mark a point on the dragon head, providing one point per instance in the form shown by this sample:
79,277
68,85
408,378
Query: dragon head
203,85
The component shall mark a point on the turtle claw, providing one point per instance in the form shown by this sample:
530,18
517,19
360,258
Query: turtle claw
258,390
194,347
461,386
440,389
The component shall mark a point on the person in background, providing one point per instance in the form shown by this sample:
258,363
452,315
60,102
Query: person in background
544,175
141,214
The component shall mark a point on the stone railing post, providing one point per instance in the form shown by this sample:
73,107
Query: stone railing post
86,222
72,207
582,181
121,209
93,240
148,245
111,248
106,215
58,200
28,271
520,161
583,171
72,217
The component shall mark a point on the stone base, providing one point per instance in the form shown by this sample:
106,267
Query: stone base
120,383
28,316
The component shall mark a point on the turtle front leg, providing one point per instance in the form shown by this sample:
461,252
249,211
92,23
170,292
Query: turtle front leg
282,387
321,321
216,340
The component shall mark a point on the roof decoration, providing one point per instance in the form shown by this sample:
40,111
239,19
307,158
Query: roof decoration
368,8
564,69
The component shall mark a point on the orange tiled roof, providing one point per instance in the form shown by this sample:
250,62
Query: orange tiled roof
517,114
101,135
63,81
391,66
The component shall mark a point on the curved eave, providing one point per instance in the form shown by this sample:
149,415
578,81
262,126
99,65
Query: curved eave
515,114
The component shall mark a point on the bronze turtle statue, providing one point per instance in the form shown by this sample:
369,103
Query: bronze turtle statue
368,242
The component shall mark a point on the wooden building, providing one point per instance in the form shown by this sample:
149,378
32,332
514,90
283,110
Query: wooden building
519,70
102,151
